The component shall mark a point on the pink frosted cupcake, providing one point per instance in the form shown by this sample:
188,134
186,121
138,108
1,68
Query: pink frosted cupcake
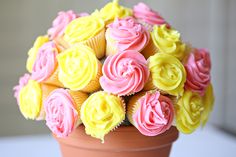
198,68
151,113
45,65
124,73
126,34
22,82
61,21
148,17
62,108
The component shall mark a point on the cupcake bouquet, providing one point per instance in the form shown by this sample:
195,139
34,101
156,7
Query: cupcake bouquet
115,66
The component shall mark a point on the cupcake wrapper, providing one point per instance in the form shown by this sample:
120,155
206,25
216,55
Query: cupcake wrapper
46,90
133,106
149,85
61,43
146,25
97,43
94,84
149,50
53,79
111,49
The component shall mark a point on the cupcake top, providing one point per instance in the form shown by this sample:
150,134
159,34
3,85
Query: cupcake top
32,54
82,29
78,65
113,10
61,21
45,62
127,34
61,112
198,68
30,100
124,73
168,40
101,113
154,114
167,73
23,81
146,14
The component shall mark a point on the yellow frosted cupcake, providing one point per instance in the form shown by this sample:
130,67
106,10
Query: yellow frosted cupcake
111,11
79,69
88,30
188,111
31,97
167,74
32,54
101,113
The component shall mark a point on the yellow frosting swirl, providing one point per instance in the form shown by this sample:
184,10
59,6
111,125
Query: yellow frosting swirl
32,54
188,112
167,73
78,65
101,113
111,11
82,29
30,100
208,102
167,40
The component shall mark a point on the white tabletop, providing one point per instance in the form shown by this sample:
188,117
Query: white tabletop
208,142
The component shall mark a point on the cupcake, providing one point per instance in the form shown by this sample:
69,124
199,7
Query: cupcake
124,73
148,17
111,11
32,54
198,68
188,109
62,108
150,112
125,34
167,40
88,30
45,68
31,97
167,74
102,113
79,69
208,102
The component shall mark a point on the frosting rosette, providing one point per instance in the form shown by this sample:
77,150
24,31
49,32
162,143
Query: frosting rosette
79,69
126,34
63,111
45,62
208,103
32,54
23,81
198,68
167,73
189,109
168,40
82,29
124,73
145,15
151,113
61,21
113,10
101,113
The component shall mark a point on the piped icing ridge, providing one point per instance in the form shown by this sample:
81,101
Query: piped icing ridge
124,73
127,34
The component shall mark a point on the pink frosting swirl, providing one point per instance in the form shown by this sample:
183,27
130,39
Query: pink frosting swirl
61,21
144,13
61,113
23,80
128,34
198,68
154,115
45,62
124,73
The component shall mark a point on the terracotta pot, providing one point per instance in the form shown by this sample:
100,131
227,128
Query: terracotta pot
126,141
